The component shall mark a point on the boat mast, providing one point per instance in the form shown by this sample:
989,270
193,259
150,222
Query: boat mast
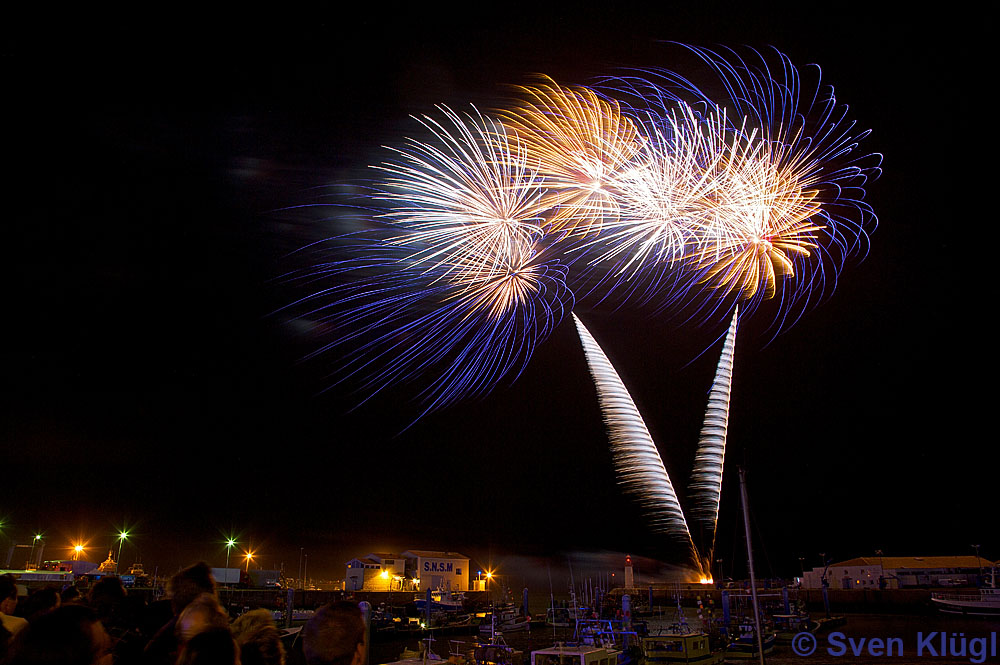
753,578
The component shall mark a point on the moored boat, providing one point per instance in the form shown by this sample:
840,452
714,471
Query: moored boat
575,654
984,603
680,644
787,626
745,645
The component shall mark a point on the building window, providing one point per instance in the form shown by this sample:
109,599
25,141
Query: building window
458,571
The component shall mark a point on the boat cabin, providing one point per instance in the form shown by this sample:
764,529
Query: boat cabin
679,647
578,654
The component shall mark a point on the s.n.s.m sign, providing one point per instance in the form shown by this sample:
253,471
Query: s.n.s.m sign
438,566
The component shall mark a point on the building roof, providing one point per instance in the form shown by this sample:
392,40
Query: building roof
364,560
916,562
431,554
383,555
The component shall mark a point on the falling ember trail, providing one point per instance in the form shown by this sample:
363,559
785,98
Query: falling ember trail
636,459
705,489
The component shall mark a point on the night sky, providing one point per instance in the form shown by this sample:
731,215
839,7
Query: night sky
161,174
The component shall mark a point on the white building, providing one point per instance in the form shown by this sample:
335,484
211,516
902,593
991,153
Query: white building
378,571
448,571
413,570
898,572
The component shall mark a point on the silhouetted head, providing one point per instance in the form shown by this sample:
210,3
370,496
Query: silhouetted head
8,594
215,646
335,636
201,614
68,635
259,639
190,583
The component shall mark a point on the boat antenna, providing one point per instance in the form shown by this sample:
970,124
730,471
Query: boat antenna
552,602
753,577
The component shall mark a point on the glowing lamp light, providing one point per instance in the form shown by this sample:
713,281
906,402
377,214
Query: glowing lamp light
705,580
489,575
385,574
78,548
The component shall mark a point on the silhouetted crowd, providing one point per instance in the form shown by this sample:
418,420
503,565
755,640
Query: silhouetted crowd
190,627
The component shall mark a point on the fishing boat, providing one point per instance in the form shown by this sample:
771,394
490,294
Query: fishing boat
504,620
745,645
680,643
441,601
787,626
493,652
575,654
984,603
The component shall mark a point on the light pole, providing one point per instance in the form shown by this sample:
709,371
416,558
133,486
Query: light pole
249,558
122,537
881,570
77,549
230,544
34,541
980,562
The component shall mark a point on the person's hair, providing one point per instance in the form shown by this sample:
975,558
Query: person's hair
215,646
8,588
68,635
259,639
106,593
332,635
190,583
207,611
70,594
41,600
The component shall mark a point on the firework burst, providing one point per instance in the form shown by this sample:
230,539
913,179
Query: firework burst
781,175
580,142
454,290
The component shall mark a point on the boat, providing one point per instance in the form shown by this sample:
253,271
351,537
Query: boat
984,603
562,617
681,644
452,622
441,601
749,638
575,654
745,645
826,623
787,626
493,652
504,620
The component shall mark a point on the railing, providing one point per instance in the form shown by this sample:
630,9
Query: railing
960,597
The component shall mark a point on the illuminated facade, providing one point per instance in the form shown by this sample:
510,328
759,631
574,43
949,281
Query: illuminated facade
413,570
898,572
378,571
448,571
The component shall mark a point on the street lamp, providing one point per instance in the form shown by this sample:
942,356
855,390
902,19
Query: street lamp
249,558
34,541
77,549
980,562
230,544
122,537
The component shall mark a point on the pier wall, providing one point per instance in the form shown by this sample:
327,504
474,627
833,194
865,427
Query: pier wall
870,601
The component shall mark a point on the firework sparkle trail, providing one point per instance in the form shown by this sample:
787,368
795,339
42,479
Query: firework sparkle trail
705,487
636,458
